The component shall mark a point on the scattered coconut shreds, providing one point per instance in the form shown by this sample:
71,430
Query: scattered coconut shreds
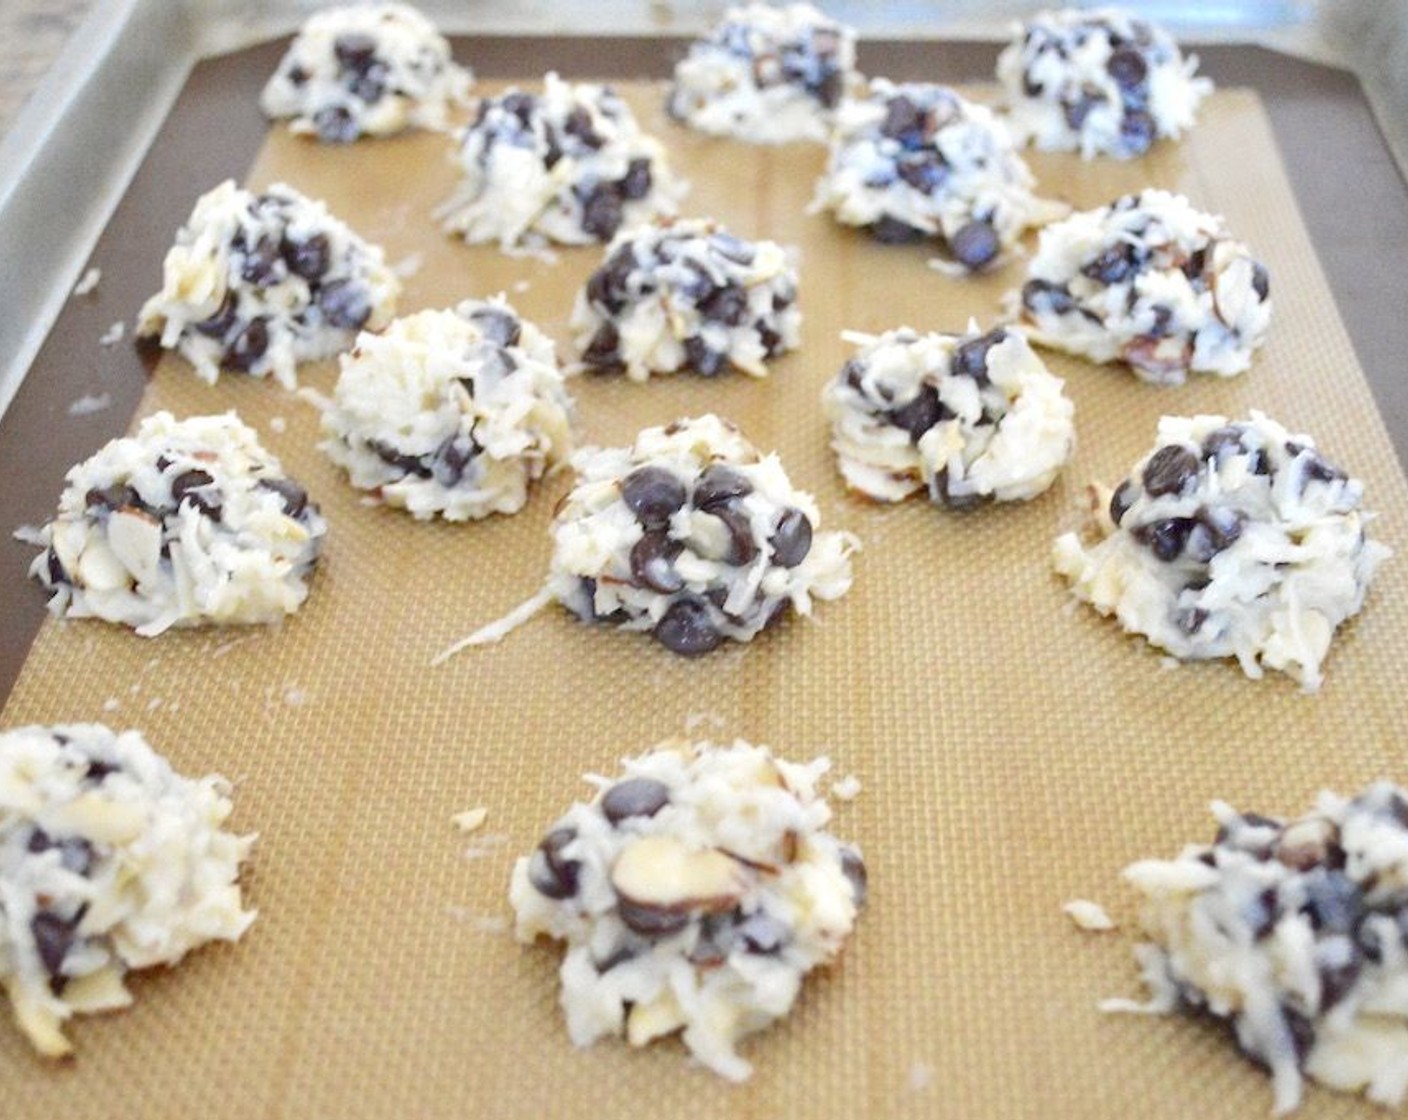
88,281
1088,915
114,334
921,1076
154,703
408,265
489,923
521,286
847,789
321,401
295,697
695,720
225,647
89,404
470,819
278,425
111,704
497,631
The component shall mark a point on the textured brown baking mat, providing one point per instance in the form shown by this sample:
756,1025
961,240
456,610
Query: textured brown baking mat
1014,753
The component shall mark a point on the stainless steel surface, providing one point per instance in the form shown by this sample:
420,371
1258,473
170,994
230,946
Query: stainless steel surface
67,157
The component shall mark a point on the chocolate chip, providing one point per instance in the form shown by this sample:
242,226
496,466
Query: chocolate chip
393,457
742,548
346,304
731,248
1112,265
924,171
294,496
771,340
579,126
720,483
653,562
1195,264
727,305
1127,67
1333,901
607,285
550,873
792,539
370,84
650,921
1261,913
699,357
634,797
1137,131
853,868
75,853
497,325
186,486
904,121
115,497
919,415
335,125
296,75
1123,497
975,244
763,934
354,50
1224,526
308,259
653,494
618,956
249,346
971,358
98,770
1165,538
588,596
522,105
636,184
1076,111
892,231
260,266
1223,442
687,628
829,90
1261,282
1190,619
1169,470
1041,296
53,937
1341,962
218,325
603,351
451,458
54,568
942,491
1030,86
601,210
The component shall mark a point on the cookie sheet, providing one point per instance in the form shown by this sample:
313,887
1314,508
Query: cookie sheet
1015,751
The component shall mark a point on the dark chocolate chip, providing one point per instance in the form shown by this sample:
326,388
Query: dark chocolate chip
550,873
454,454
763,934
718,484
653,562
853,868
1169,470
651,921
1075,111
942,491
75,853
1261,281
1127,67
1333,901
335,125
687,628
1041,296
971,358
1030,86
603,352
393,457
354,50
117,496
829,90
924,171
369,85
636,184
1190,619
497,325
296,75
699,357
186,486
892,231
53,937
249,346
771,340
904,121
792,539
1195,264
1338,974
98,770
975,244
1223,442
634,797
54,568
601,211
588,595
218,325
727,305
653,494
1112,265
579,126
308,259
260,266
618,956
919,415
1261,914
294,496
522,105
1137,131
1165,538
731,248
1123,497
346,304
742,548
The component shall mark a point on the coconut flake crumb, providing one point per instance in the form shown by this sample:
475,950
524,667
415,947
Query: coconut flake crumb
1088,915
278,425
88,281
90,403
295,697
114,334
847,789
111,704
225,647
521,286
470,819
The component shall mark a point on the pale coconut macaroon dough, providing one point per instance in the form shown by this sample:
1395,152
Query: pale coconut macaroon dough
110,862
687,295
694,892
450,413
917,162
766,75
568,165
1295,932
257,283
1229,539
965,418
1151,282
1101,82
187,523
365,70
691,535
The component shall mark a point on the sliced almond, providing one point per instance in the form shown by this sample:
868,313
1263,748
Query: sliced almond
649,1021
661,873
135,539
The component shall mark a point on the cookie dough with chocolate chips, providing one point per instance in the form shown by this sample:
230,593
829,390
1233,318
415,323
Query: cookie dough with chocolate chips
187,523
967,418
766,75
1229,539
1151,282
1294,932
916,161
687,295
260,282
365,70
694,892
109,862
1100,82
567,165
452,413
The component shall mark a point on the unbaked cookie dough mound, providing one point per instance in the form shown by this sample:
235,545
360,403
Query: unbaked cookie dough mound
452,413
1100,82
365,70
688,295
916,161
694,536
109,862
1295,932
569,165
966,418
1149,281
260,282
694,892
766,75
1229,539
187,523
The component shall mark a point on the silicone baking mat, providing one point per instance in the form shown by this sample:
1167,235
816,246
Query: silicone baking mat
1014,752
